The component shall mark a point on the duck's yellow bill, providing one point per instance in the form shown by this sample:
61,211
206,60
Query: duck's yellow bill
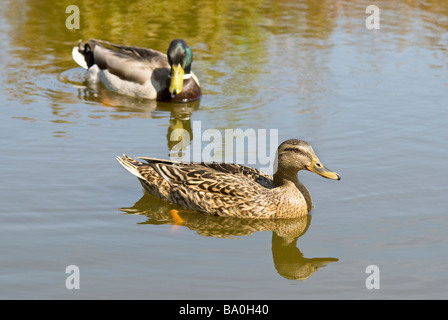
177,79
317,167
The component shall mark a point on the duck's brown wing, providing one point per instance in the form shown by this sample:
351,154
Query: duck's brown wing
199,187
256,175
210,191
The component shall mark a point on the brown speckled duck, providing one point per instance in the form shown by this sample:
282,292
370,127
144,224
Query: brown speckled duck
234,190
141,72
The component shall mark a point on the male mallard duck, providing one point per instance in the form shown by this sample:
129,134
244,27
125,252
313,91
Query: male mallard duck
234,190
141,72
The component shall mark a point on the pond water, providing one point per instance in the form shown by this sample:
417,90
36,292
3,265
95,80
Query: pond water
372,103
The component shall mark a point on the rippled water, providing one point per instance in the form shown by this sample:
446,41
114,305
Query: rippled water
372,103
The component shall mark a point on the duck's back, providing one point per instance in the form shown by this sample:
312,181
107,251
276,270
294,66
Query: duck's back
212,188
128,70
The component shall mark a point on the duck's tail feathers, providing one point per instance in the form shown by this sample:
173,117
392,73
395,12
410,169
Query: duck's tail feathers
131,165
83,55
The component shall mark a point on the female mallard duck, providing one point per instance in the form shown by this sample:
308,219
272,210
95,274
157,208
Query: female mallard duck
234,190
141,72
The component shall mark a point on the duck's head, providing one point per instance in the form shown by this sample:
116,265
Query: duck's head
294,155
180,58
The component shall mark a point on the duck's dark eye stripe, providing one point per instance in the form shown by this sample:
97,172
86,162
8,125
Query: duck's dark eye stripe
296,150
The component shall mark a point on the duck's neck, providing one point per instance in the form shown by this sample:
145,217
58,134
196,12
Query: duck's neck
291,180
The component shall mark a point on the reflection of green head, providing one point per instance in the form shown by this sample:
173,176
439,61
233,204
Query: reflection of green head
179,134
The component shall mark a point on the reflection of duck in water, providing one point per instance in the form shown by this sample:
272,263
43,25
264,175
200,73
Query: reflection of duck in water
141,72
180,133
288,259
234,190
180,113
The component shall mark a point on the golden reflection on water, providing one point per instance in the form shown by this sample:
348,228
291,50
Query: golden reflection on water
214,25
239,33
230,30
289,261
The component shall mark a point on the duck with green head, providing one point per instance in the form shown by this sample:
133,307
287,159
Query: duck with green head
141,72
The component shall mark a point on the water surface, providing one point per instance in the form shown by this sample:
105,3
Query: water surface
372,103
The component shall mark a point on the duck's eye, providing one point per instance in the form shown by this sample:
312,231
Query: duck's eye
296,150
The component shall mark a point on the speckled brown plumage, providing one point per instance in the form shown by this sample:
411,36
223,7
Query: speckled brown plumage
233,190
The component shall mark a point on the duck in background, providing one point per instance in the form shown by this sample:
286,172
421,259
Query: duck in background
141,72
